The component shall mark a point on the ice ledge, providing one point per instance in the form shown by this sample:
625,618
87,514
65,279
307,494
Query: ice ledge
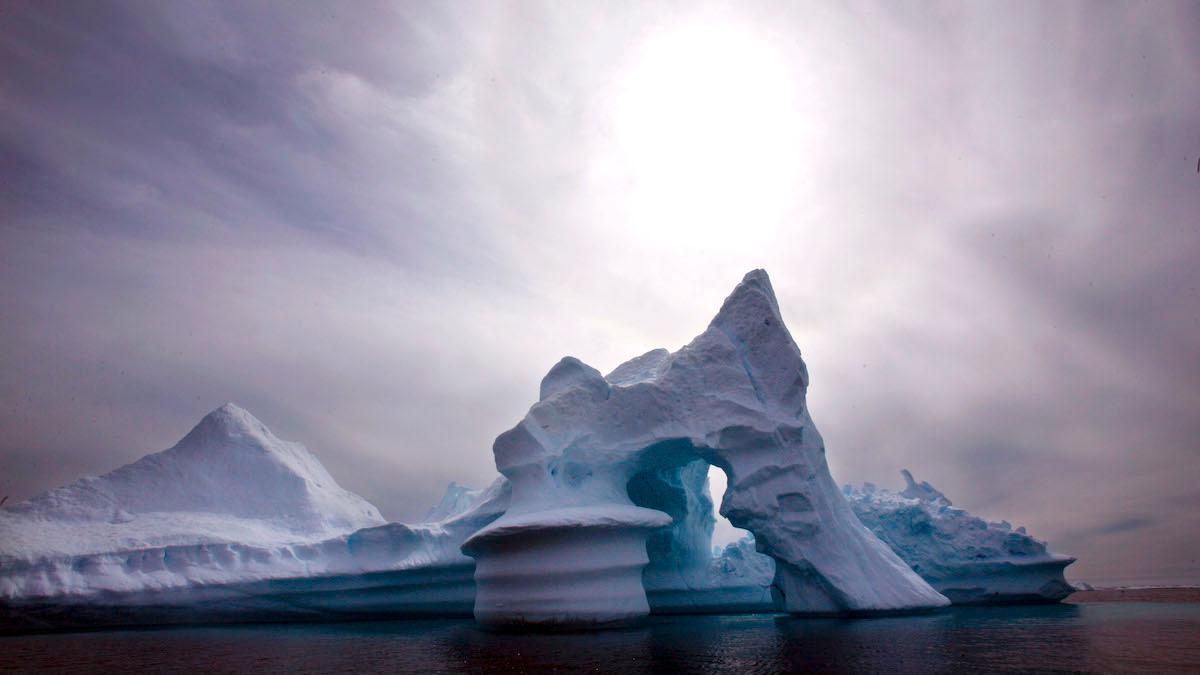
579,517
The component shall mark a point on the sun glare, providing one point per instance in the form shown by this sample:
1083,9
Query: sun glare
706,128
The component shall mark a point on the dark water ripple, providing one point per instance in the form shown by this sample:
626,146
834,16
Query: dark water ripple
1100,637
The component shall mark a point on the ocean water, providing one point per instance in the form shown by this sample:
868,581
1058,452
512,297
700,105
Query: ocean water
1130,637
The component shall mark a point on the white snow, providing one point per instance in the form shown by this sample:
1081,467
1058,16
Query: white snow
966,558
733,397
229,480
229,502
230,506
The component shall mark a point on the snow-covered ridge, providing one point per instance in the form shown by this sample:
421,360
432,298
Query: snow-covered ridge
82,577
60,548
965,557
229,501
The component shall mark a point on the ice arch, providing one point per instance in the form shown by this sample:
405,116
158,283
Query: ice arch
679,555
684,574
572,546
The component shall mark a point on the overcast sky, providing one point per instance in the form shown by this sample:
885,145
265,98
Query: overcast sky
376,226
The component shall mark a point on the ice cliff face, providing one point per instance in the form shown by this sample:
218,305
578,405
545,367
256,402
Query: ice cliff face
572,546
966,558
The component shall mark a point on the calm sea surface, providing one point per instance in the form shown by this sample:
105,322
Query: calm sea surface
1119,636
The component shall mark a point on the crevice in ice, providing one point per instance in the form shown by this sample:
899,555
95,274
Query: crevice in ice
741,352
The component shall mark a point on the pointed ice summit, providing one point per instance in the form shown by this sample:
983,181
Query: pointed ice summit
228,523
572,545
228,479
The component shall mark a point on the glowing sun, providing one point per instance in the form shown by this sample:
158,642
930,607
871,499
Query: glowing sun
706,128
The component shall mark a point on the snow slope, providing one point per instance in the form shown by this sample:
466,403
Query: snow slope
228,480
233,523
384,571
966,558
222,503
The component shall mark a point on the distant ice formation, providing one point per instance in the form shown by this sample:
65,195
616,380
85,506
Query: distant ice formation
735,579
229,478
572,547
232,521
966,558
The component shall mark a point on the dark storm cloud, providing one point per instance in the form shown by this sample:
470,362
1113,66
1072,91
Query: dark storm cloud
376,225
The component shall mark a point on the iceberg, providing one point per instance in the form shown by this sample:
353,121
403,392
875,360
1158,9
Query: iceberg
572,547
602,513
967,559
231,523
228,481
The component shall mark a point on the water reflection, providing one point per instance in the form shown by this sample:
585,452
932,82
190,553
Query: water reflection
961,638
1020,638
1119,636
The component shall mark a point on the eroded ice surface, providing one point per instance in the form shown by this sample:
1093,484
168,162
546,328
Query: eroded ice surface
229,505
228,480
572,546
966,558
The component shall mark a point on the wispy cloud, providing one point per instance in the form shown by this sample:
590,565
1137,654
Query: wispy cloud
376,226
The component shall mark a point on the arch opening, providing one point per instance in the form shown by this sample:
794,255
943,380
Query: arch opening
724,532
701,562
